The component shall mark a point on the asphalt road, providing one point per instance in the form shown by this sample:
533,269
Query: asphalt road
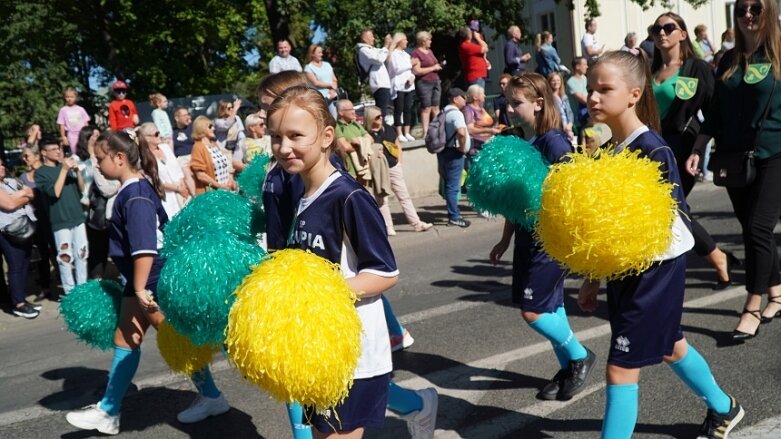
470,343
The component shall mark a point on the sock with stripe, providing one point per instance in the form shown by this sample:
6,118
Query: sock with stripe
394,325
296,414
557,330
403,401
620,411
205,383
123,368
561,354
693,370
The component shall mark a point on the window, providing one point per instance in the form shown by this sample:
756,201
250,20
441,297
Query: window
729,9
548,22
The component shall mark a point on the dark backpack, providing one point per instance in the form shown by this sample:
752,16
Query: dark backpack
436,136
96,216
363,74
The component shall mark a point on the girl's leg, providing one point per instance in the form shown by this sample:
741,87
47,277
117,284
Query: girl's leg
399,188
418,408
621,404
296,414
403,401
394,325
63,242
557,330
81,254
693,370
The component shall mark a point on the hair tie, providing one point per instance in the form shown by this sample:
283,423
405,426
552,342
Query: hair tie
132,134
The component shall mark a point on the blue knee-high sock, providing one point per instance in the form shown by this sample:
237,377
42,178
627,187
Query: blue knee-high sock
394,326
122,370
205,383
557,330
561,354
296,414
620,411
403,401
693,370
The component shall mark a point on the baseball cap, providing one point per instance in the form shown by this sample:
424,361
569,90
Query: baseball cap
119,85
455,92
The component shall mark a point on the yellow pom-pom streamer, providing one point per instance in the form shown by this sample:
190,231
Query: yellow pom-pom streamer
294,329
181,355
606,217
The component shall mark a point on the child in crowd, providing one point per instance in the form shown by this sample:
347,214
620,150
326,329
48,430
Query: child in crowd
538,280
160,117
122,111
645,310
71,119
303,138
135,237
255,143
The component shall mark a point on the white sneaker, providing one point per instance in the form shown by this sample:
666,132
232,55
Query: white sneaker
92,417
422,423
402,138
202,408
409,137
399,342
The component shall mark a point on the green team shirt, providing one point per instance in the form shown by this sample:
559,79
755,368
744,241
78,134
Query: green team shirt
65,212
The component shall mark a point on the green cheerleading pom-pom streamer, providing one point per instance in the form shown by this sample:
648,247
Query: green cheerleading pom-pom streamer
251,187
91,312
214,212
196,282
506,179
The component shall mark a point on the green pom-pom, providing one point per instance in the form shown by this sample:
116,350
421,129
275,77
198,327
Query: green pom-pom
91,311
506,179
251,186
194,291
215,212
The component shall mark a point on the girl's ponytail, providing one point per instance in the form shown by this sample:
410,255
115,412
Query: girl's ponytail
148,163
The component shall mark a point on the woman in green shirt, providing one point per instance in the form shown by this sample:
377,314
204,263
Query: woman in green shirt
683,85
745,93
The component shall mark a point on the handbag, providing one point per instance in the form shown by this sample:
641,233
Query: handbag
20,231
735,169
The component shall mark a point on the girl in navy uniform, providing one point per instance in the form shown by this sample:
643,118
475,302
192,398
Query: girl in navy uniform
645,310
538,281
135,236
339,220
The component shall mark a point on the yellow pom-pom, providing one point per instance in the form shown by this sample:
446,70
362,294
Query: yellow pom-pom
181,355
294,329
606,217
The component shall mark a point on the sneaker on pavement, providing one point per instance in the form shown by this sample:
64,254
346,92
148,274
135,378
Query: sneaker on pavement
409,137
460,222
551,390
718,426
399,342
35,306
92,417
579,371
26,311
421,424
202,408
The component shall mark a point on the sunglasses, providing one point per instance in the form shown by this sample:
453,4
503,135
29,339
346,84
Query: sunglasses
120,92
668,28
741,11
211,127
378,117
155,134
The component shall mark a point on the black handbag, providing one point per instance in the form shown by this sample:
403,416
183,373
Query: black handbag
735,169
20,231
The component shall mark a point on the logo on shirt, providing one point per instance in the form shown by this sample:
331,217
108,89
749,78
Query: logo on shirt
622,344
686,88
756,73
528,294
309,240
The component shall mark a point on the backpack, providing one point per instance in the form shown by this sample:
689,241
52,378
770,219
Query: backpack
363,74
436,136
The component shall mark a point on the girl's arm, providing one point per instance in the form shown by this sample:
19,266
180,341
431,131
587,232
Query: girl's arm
587,296
503,244
11,202
369,284
63,136
142,266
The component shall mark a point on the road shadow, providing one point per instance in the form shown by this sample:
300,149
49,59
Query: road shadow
550,428
450,374
81,386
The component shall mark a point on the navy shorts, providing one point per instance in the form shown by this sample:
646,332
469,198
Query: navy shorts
538,280
645,314
151,282
364,407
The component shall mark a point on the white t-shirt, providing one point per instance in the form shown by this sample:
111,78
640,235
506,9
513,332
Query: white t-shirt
589,40
170,173
454,119
400,71
279,64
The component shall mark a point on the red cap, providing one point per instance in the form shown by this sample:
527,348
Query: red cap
119,85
